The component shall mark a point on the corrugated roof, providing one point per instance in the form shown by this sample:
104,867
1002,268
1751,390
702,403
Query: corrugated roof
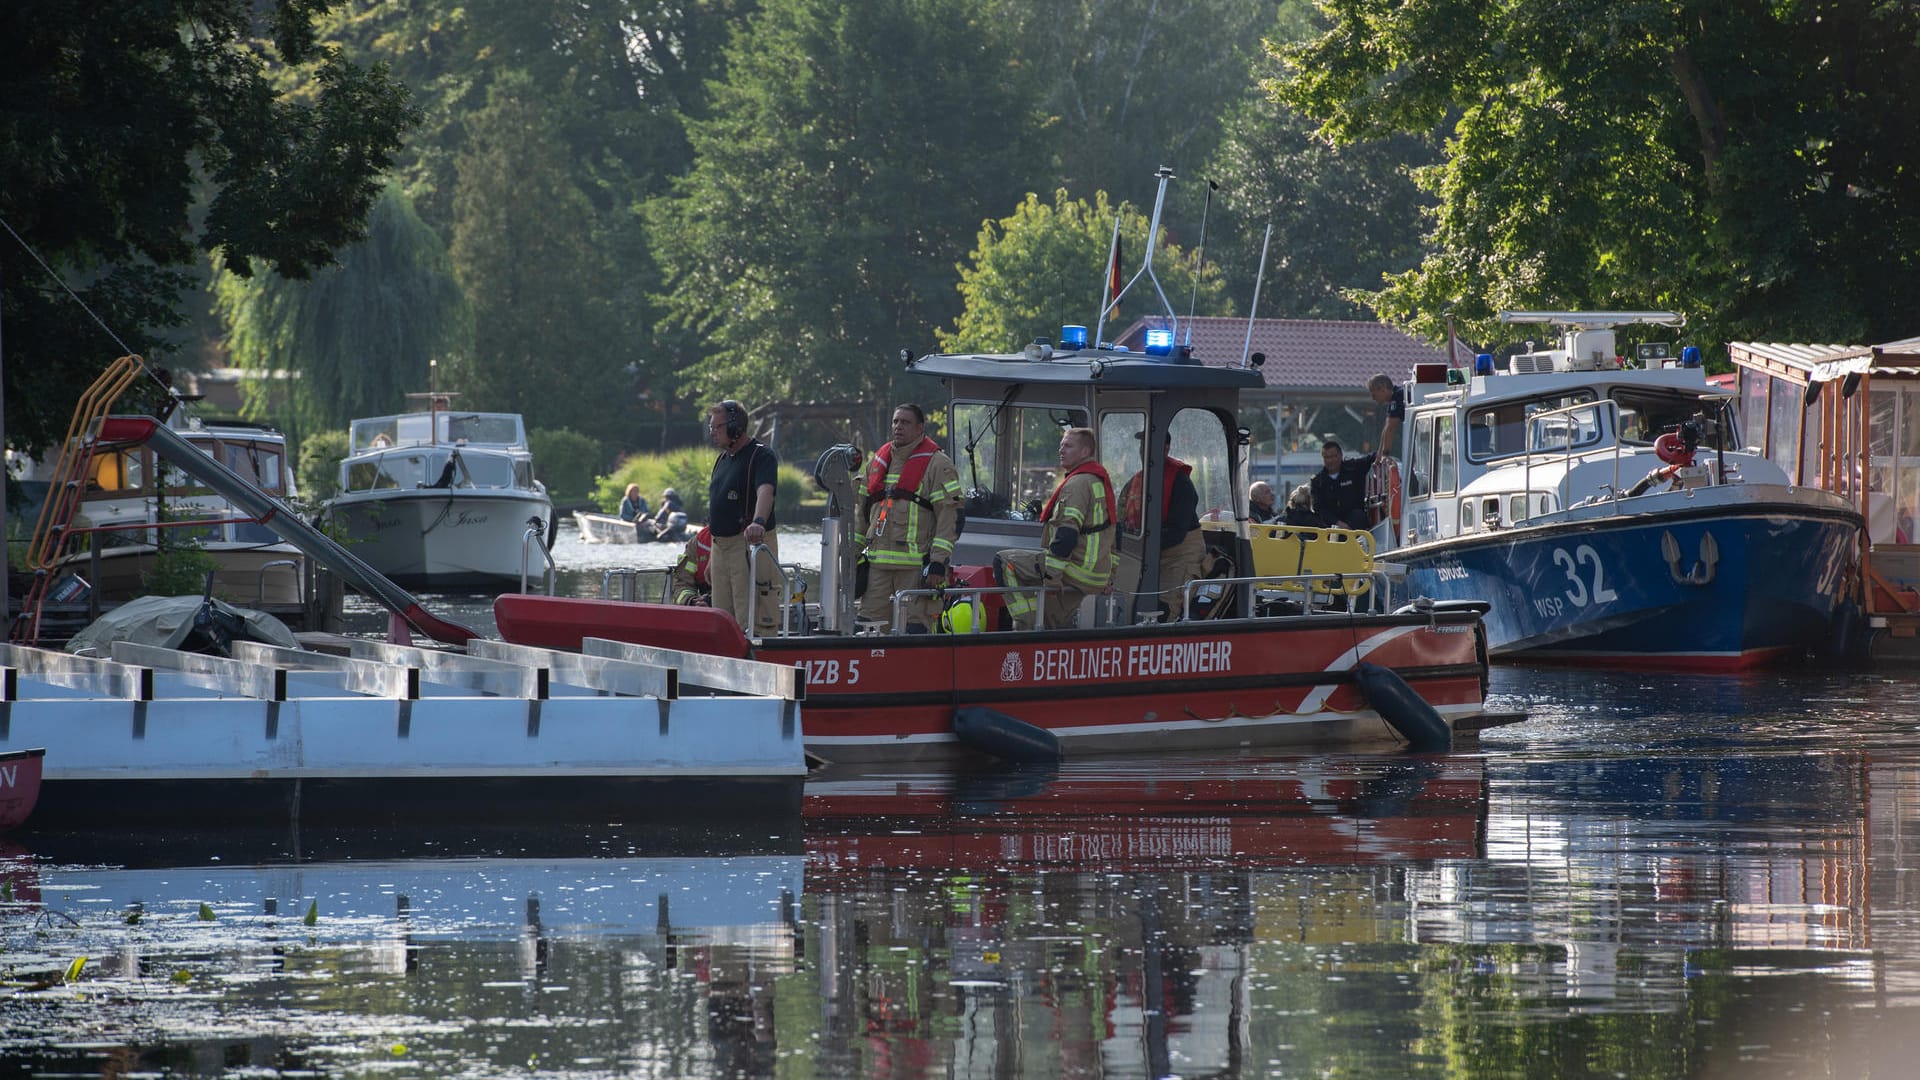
1305,353
1800,356
1895,357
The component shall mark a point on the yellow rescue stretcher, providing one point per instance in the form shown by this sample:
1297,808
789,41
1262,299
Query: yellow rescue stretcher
1339,561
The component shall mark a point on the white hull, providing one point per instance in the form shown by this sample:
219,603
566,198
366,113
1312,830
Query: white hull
434,538
604,528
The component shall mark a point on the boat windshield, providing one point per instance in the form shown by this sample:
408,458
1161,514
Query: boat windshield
1198,441
1500,430
1646,415
1009,456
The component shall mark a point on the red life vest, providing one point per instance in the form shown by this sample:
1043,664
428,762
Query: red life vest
701,554
914,471
1175,470
911,474
1098,472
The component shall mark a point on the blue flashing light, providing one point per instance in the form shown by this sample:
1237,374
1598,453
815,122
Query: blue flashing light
1690,356
1483,364
1073,337
1159,342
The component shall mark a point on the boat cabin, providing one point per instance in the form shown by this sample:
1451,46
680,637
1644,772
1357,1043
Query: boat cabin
1006,414
1488,449
1846,418
434,449
121,479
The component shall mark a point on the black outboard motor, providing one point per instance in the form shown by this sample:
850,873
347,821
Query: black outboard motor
214,627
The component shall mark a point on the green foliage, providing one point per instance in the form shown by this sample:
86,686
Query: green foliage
1343,214
312,916
549,341
321,453
848,158
1123,83
796,500
1743,170
129,144
180,565
565,461
1046,266
206,912
360,335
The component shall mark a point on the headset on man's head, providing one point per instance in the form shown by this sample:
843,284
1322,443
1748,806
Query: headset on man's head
736,415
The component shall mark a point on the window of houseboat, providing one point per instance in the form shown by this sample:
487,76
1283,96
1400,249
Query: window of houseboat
1009,455
257,463
1783,426
1498,431
1893,481
117,471
1516,508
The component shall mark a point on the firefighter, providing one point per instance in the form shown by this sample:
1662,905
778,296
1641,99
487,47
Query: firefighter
1078,553
689,583
909,522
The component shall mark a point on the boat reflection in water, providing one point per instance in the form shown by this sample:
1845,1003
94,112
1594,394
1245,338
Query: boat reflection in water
1108,917
1369,915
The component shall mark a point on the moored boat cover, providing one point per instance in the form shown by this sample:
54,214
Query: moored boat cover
168,622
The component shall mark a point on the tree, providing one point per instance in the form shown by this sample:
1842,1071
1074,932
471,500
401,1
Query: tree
547,339
1754,166
131,140
1343,215
1127,86
357,337
850,156
1045,266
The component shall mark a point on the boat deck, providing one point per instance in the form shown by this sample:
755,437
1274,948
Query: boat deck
394,734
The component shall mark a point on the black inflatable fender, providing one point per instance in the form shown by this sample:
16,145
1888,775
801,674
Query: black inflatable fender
1003,736
1404,710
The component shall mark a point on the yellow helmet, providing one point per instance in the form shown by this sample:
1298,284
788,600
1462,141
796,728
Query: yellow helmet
959,618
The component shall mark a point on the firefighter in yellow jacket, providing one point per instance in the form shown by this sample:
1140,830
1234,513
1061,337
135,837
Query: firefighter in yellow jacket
1078,552
910,521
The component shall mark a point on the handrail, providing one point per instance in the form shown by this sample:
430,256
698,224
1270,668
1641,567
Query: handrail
1379,578
44,550
633,578
753,591
1040,597
535,537
1566,457
260,584
69,485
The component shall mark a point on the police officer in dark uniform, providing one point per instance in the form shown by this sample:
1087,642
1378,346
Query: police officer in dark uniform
1340,488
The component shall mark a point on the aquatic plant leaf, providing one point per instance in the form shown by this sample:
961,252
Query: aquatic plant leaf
6,891
182,977
206,912
133,917
73,969
313,913
398,1049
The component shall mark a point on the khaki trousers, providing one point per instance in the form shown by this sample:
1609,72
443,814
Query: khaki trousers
728,570
1022,567
877,602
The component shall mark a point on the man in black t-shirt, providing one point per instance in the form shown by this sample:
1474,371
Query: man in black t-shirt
740,516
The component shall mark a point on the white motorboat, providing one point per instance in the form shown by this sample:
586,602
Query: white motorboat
443,499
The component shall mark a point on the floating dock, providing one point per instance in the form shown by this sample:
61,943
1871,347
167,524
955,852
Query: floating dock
397,735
